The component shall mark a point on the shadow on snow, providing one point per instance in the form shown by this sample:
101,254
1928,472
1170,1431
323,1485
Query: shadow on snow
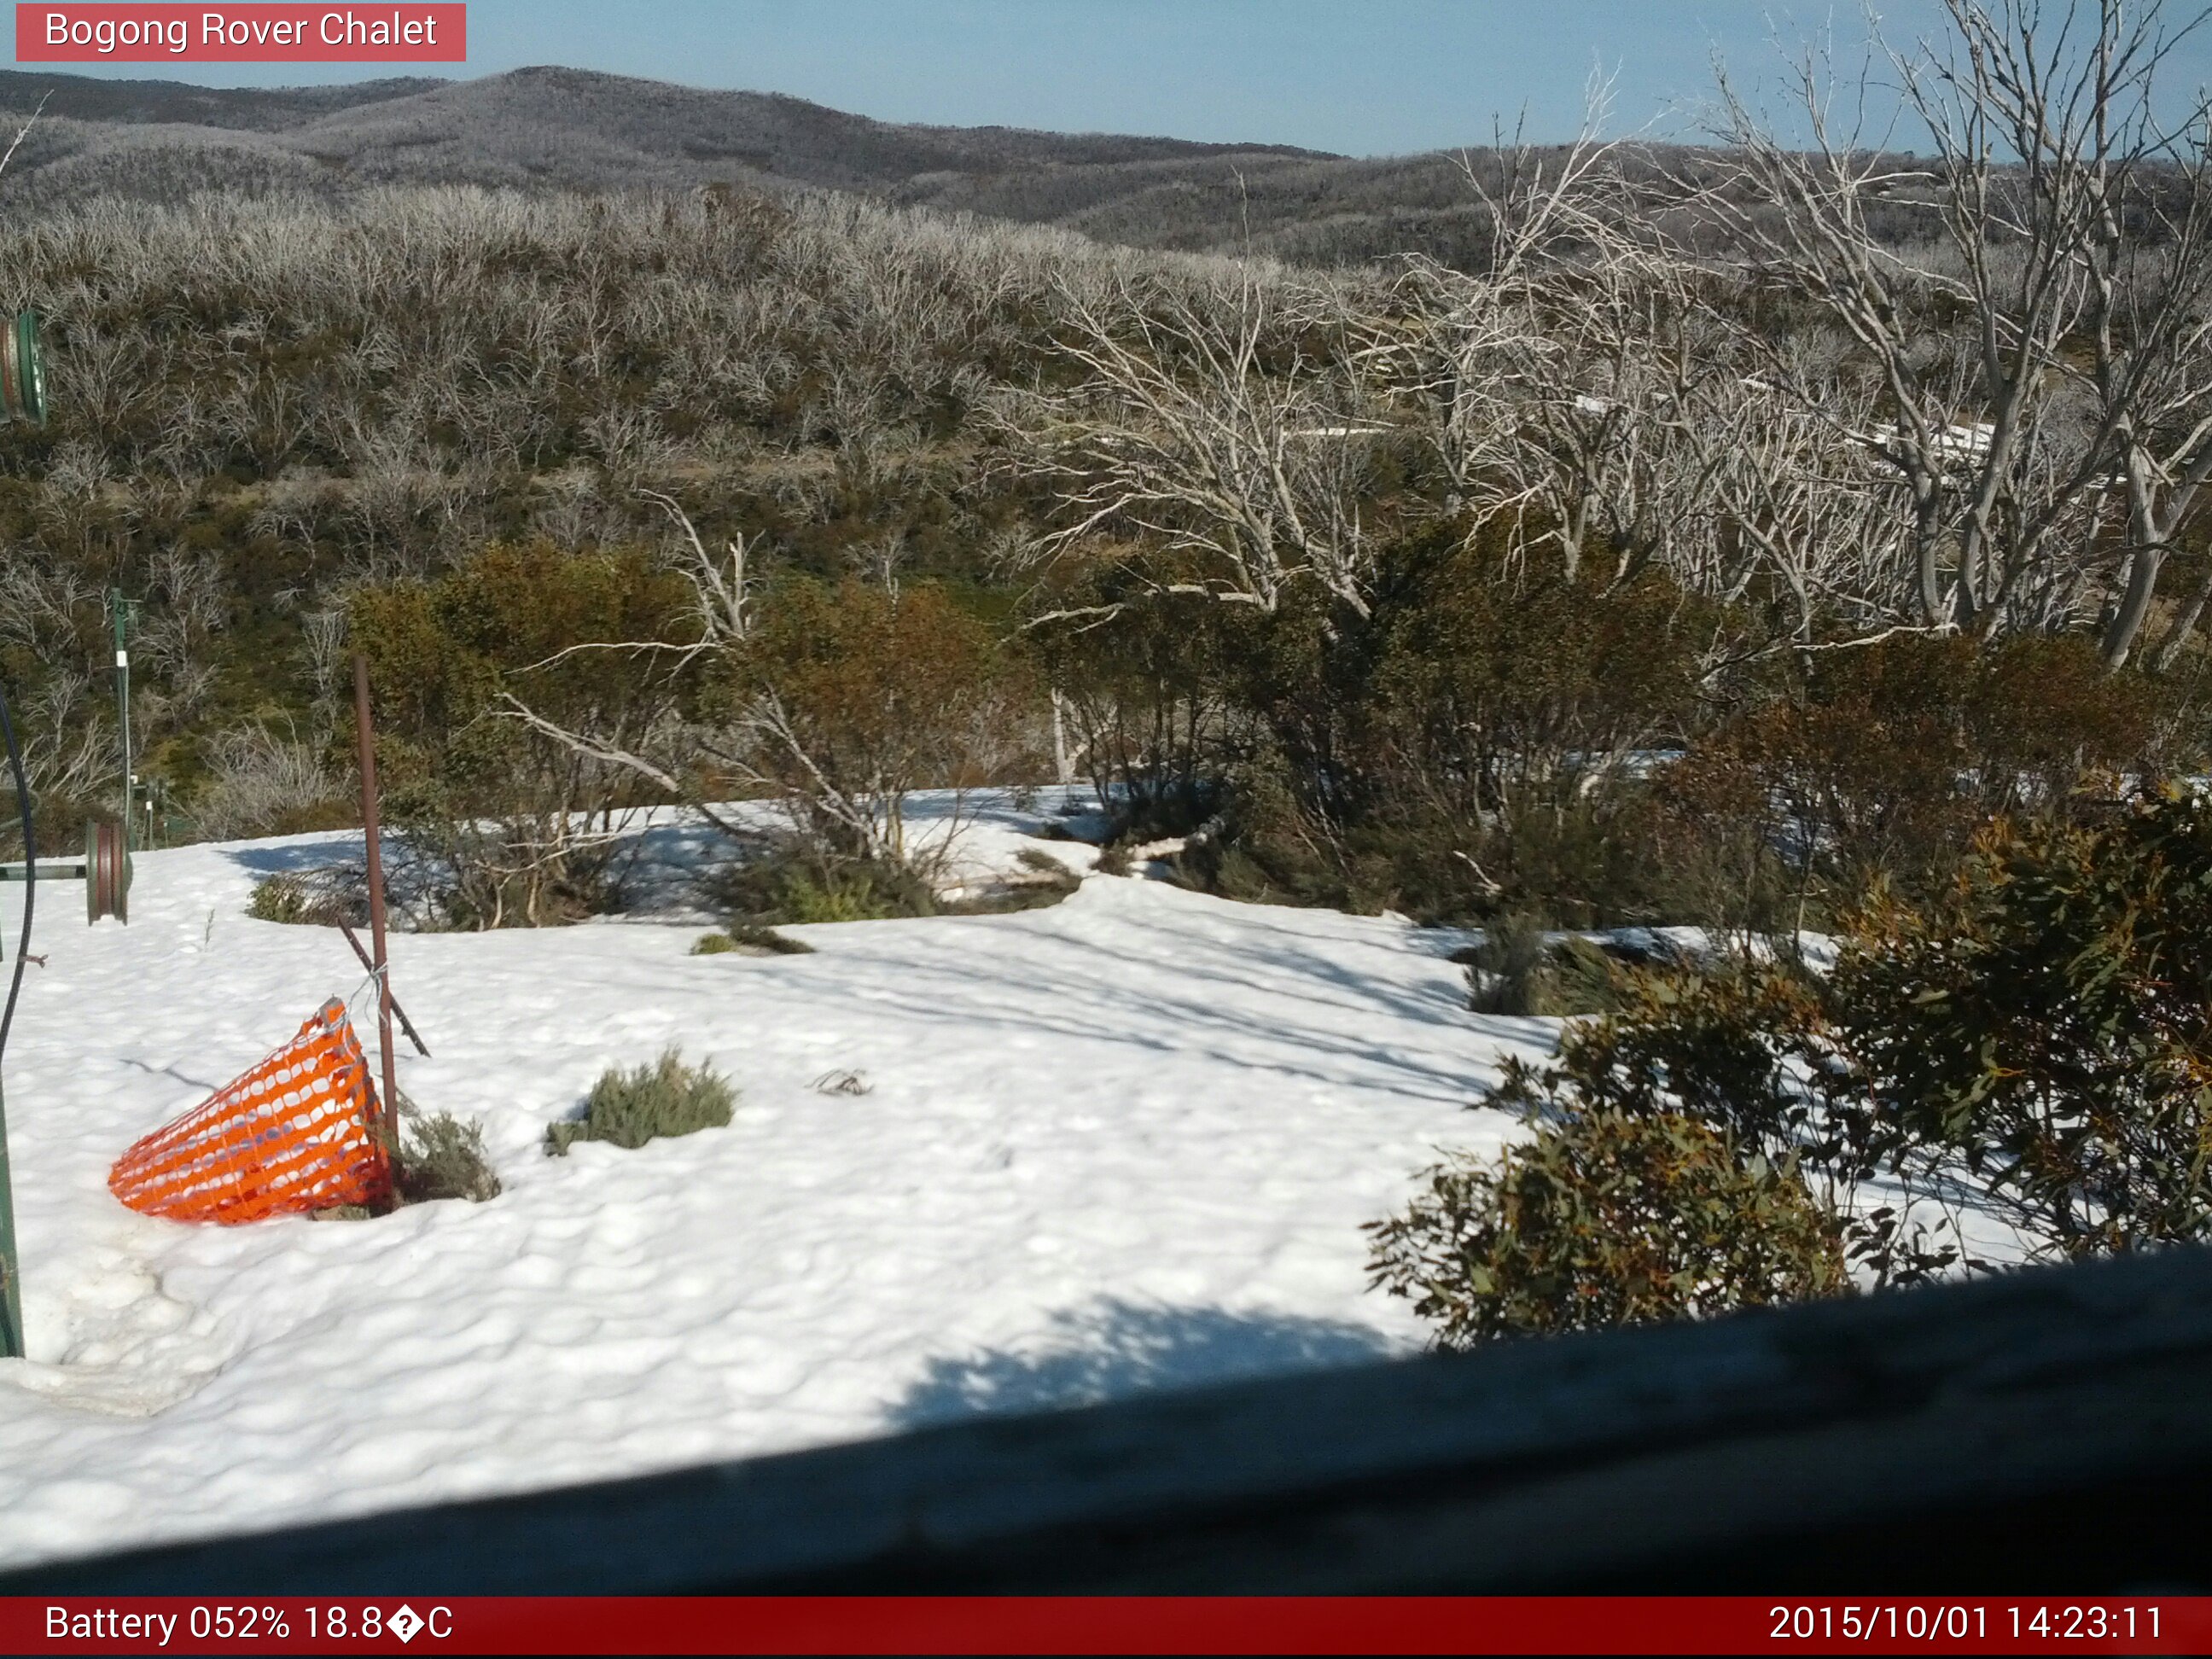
1113,1348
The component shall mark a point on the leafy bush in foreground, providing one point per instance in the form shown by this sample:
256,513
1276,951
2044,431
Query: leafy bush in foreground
2038,1037
2045,1026
1607,1218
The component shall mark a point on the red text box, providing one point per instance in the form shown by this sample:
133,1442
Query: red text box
83,1624
326,34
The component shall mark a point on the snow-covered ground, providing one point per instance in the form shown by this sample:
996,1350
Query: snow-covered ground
1124,1142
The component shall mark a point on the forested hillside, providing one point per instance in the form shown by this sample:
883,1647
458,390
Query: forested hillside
1390,577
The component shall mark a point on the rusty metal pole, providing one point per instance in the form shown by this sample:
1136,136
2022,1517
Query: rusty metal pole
372,836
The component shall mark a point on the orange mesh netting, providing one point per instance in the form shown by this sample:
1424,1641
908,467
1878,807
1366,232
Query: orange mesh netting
296,1133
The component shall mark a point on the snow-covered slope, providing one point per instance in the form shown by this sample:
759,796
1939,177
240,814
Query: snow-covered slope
1125,1142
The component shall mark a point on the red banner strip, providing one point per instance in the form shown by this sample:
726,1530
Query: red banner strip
1096,1624
71,32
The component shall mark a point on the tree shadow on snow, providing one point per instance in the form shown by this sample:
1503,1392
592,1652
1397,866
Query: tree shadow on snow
338,847
1113,1348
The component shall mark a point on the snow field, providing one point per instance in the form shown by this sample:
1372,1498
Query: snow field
1124,1142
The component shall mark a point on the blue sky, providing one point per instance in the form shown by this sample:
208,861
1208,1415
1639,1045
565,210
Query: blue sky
1362,76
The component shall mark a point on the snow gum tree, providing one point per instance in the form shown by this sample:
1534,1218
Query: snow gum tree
852,696
518,825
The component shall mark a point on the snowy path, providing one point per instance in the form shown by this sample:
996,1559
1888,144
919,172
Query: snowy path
1124,1142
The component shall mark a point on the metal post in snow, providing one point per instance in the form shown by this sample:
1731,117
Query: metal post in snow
119,609
372,837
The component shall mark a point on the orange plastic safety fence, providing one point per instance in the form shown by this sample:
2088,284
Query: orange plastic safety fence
296,1133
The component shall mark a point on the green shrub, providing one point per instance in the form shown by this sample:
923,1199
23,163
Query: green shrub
2043,1024
749,939
649,1103
748,936
315,898
1606,1218
1883,763
1723,1046
1602,856
798,884
1519,969
2037,1032
1745,1049
493,802
854,892
2037,1036
880,690
440,1157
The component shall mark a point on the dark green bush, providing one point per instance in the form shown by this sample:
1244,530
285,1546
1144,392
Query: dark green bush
648,1103
2037,1032
1722,1044
315,898
2044,1023
1606,1218
1518,969
854,892
798,882
752,939
1486,738
2037,1036
1883,762
1458,753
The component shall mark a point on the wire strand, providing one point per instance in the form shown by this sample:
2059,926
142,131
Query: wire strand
30,866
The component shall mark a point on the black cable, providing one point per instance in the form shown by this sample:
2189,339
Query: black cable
30,866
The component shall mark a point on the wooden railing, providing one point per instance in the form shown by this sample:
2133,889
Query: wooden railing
2048,1432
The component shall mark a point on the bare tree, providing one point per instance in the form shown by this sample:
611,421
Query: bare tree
2048,344
261,779
1211,425
1550,381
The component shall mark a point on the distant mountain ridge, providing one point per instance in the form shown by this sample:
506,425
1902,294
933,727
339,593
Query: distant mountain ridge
269,109
554,128
581,129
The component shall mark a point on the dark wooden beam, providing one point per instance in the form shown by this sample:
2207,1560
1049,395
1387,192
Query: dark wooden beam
2034,1433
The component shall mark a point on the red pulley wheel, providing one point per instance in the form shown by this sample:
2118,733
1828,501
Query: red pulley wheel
106,873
